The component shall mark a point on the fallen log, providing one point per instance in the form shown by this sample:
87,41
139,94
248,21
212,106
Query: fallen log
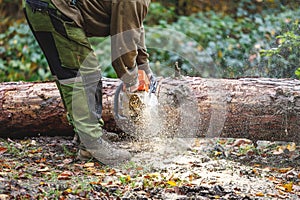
253,108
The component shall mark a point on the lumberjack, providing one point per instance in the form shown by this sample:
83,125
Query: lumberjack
62,28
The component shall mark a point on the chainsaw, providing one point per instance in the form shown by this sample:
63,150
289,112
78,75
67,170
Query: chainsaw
133,112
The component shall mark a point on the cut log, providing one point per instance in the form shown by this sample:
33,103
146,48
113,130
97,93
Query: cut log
253,108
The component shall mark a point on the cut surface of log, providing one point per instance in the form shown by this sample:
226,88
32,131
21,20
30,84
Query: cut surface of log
253,108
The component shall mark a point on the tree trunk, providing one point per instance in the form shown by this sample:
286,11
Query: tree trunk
257,109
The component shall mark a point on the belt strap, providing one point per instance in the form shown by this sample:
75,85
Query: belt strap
40,6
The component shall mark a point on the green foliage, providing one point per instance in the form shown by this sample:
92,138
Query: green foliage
225,46
20,55
206,44
160,14
287,50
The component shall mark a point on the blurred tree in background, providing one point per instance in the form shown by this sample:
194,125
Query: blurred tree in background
207,37
10,12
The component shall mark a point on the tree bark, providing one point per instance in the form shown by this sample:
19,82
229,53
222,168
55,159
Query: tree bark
257,109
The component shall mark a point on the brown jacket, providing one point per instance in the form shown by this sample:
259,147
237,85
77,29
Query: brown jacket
121,19
97,17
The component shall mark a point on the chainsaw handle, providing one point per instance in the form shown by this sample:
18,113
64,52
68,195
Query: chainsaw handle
153,85
116,102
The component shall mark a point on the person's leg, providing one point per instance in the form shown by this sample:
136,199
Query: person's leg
76,68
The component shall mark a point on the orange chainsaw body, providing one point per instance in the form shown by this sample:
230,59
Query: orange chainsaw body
144,83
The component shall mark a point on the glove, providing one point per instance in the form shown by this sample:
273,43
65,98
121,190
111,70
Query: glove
131,89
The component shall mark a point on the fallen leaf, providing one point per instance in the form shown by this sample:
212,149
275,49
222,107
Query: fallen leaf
282,196
271,195
222,141
125,179
240,142
254,171
273,179
260,194
284,170
42,160
67,191
281,190
111,172
67,161
91,164
33,143
139,168
4,196
218,153
288,187
172,183
291,147
66,175
33,151
3,150
280,150
41,190
3,174
44,169
42,183
197,143
99,173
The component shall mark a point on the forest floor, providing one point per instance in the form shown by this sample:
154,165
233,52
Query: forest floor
47,168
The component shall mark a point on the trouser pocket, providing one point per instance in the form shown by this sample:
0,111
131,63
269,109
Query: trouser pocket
72,46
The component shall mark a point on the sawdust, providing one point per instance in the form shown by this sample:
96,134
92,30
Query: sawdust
164,129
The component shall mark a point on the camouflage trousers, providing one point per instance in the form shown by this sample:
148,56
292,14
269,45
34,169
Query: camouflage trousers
62,29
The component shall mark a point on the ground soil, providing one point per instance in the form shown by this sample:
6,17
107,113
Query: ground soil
169,168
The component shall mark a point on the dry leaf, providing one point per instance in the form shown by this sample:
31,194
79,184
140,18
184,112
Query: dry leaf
271,195
280,150
218,153
112,172
33,151
67,161
288,187
197,143
99,173
67,191
284,170
45,169
86,165
240,142
255,171
273,179
291,147
281,191
260,194
3,150
42,183
139,168
66,175
4,196
3,174
172,183
42,160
